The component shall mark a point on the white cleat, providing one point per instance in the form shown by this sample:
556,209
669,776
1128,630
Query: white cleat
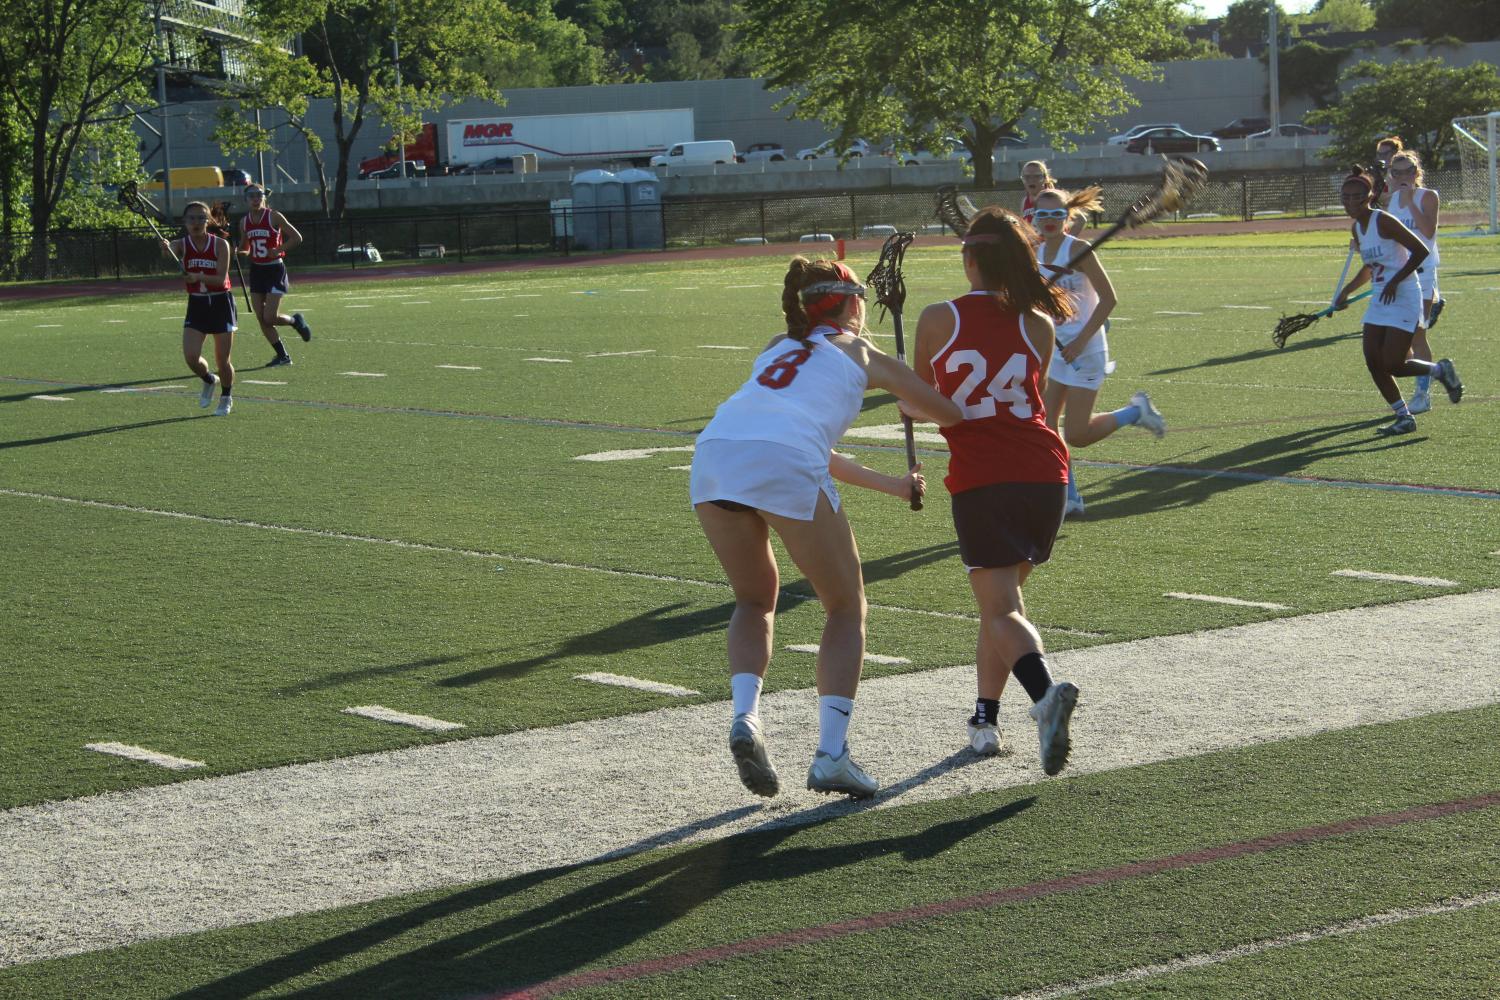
1151,418
1421,401
206,397
756,770
1052,715
840,775
985,740
226,403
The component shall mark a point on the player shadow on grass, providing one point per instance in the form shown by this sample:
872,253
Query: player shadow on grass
100,387
1292,347
73,435
622,901
1142,491
663,624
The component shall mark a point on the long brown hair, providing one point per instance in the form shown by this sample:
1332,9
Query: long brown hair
800,275
1002,246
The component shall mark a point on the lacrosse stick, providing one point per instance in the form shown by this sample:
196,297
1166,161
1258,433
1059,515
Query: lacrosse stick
1289,325
890,294
1182,177
219,226
954,210
132,200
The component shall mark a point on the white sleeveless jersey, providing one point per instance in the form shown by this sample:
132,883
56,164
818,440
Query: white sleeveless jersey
1080,289
1403,207
801,395
1384,258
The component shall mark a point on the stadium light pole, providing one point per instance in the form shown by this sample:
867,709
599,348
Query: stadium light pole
1275,80
161,102
396,58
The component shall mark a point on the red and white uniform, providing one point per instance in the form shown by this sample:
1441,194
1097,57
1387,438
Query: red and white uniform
993,372
201,264
1028,210
263,237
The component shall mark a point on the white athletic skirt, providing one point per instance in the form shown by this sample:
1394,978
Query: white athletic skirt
1427,278
1089,370
1404,314
761,474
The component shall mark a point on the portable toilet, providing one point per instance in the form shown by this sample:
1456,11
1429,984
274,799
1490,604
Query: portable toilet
598,211
643,203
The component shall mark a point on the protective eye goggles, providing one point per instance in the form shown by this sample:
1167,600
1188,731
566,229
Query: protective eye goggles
1050,213
254,193
833,288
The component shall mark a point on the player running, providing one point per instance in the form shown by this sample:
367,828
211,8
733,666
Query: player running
210,307
1080,359
266,236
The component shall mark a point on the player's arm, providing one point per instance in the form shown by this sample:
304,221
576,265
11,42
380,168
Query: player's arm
919,400
1424,211
221,260
1096,275
1392,228
290,237
846,470
1042,336
934,329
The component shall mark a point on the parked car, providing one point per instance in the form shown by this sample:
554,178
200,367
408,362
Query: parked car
494,165
237,178
1172,140
1013,141
1135,130
414,168
366,254
763,152
1241,127
1286,129
857,148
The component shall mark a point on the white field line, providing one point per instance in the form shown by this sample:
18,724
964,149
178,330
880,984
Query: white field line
218,852
1176,312
628,454
365,374
1246,307
621,354
463,368
554,361
230,522
1234,601
145,756
722,347
52,399
1187,962
617,680
258,381
1421,581
869,657
383,714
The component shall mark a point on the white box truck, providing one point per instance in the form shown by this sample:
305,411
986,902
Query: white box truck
629,136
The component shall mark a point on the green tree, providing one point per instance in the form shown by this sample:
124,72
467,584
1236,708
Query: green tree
1339,15
349,45
1467,20
1311,70
547,51
67,67
1245,24
1415,100
697,37
917,72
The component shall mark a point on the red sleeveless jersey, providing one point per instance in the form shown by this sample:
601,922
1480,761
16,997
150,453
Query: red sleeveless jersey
993,373
263,238
201,264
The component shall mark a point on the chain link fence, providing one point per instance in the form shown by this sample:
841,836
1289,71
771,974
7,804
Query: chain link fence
494,234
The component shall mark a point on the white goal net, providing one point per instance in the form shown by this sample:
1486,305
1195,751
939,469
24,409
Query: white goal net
1477,137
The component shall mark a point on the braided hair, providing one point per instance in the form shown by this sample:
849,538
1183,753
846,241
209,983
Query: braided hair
806,306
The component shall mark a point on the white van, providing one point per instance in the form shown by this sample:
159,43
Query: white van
704,151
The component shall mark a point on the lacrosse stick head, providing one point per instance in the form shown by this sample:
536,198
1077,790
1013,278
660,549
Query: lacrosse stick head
1182,177
1289,325
954,210
886,279
131,197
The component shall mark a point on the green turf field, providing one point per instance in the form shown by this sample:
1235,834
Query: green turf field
403,518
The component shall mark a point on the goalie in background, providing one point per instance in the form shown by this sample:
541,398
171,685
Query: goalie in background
1007,469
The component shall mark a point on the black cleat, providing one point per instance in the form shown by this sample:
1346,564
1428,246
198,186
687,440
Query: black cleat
300,325
281,360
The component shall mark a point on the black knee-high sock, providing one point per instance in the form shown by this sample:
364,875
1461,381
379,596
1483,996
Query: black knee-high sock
1031,670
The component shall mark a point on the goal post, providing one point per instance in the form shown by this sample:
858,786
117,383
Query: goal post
1478,141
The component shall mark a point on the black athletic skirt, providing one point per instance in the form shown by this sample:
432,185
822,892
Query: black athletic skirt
213,313
1008,523
269,279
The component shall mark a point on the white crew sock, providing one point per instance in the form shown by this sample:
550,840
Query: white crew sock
833,723
746,693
